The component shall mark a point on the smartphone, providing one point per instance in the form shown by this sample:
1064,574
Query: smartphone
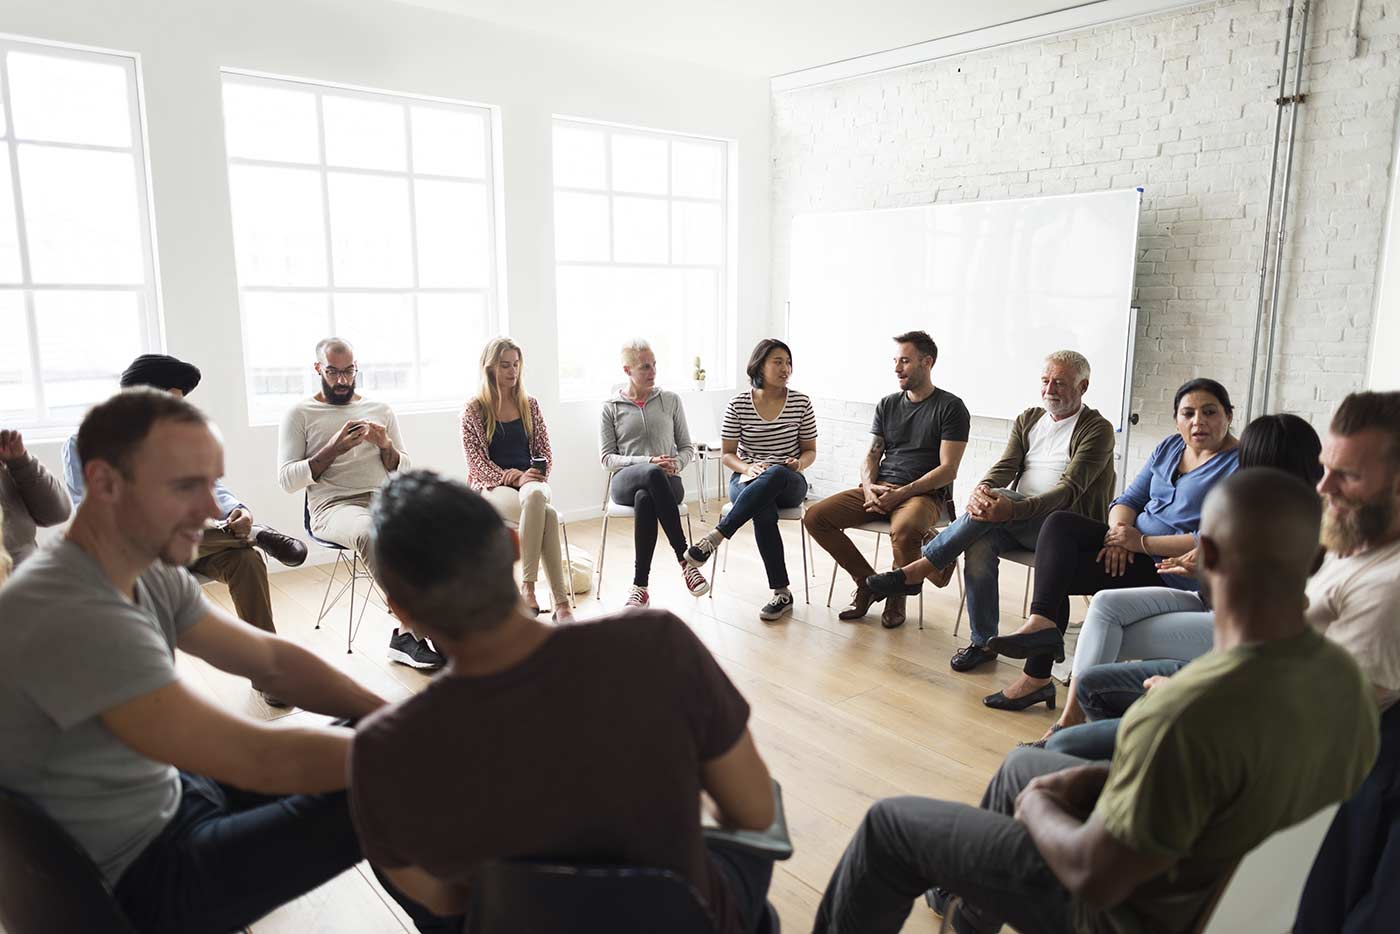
538,465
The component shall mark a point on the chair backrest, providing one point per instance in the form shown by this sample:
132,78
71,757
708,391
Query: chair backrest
48,883
553,898
1264,892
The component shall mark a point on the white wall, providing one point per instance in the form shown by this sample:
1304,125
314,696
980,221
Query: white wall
1180,103
1384,375
393,47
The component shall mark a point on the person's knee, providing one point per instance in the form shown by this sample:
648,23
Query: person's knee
533,494
244,561
816,519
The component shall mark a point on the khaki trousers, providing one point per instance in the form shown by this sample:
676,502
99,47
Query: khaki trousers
234,561
910,521
538,528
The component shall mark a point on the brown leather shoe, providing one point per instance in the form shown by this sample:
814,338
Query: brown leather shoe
860,604
893,617
940,577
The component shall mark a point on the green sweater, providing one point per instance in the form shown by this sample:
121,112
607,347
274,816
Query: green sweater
1086,486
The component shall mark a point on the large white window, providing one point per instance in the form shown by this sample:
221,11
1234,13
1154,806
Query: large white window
365,215
77,274
641,245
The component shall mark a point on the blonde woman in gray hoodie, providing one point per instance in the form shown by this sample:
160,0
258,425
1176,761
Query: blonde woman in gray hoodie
644,440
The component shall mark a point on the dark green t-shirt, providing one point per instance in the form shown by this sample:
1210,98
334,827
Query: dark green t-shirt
1237,746
912,432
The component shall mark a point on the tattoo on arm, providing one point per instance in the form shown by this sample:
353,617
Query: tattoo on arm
870,469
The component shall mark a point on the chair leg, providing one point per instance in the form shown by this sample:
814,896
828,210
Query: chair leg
921,608
806,581
568,568
832,589
602,553
335,568
1026,598
350,623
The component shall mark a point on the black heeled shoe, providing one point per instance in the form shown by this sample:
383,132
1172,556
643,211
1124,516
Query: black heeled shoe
1030,644
1000,701
891,584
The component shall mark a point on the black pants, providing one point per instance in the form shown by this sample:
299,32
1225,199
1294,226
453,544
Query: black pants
1065,567
1354,886
655,495
228,857
905,846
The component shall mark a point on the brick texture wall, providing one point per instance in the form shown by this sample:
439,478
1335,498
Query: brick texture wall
1180,104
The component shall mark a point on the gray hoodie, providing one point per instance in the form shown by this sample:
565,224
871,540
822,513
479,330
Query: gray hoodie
632,434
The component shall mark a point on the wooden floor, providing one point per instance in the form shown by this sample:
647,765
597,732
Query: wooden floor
843,713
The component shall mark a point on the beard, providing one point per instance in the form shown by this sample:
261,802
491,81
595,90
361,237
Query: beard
1350,526
338,393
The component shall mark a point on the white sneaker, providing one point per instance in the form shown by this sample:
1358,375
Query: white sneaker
776,607
638,596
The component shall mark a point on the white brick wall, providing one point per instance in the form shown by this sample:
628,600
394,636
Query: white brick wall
1181,104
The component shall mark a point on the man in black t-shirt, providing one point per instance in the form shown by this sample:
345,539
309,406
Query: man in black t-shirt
916,445
581,744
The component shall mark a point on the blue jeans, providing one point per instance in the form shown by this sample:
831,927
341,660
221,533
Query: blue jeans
981,544
758,501
228,857
1106,692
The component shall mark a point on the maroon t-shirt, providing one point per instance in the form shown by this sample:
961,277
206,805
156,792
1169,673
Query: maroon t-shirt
588,751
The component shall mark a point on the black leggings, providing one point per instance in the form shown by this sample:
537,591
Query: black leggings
1065,567
648,489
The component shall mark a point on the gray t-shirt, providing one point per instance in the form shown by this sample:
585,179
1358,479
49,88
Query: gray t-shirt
74,649
912,432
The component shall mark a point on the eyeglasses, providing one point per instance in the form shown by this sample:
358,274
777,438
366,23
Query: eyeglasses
335,375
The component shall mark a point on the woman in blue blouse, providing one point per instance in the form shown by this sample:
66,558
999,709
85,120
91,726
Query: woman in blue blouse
1156,517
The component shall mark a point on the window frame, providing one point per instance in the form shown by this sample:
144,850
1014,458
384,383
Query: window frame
720,373
43,426
493,294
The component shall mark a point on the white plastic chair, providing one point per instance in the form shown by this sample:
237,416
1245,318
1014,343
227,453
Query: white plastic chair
612,511
1264,891
881,527
792,514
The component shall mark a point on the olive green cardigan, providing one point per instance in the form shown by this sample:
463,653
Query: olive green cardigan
1086,486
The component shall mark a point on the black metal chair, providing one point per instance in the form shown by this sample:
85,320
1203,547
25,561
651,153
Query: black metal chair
554,898
48,883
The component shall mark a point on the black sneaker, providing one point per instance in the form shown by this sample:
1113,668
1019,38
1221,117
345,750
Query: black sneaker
970,656
776,607
415,653
892,584
696,555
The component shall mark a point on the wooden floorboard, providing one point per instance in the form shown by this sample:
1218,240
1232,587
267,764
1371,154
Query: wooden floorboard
844,713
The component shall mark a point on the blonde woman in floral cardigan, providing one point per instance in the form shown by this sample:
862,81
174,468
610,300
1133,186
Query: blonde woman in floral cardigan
508,462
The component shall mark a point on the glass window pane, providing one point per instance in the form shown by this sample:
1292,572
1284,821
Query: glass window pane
699,313
80,215
454,234
16,375
639,225
639,164
451,333
3,121
10,270
578,158
364,134
69,100
449,142
280,331
279,233
264,122
599,307
580,226
381,328
698,168
86,339
698,231
370,239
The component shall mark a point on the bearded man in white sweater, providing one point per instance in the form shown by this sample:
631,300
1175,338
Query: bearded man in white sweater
339,447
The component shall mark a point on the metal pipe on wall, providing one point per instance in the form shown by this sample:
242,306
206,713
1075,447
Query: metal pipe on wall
1297,99
1269,213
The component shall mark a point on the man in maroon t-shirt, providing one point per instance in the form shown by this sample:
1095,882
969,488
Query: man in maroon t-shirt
587,744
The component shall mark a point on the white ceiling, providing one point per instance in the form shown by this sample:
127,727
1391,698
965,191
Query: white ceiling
758,37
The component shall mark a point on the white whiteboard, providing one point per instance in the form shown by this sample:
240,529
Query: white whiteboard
998,284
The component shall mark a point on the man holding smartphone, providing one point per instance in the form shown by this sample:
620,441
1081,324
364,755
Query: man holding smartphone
339,447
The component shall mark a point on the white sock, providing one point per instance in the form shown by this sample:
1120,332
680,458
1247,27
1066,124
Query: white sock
782,592
715,537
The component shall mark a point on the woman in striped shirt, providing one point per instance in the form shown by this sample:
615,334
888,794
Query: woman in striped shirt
769,438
